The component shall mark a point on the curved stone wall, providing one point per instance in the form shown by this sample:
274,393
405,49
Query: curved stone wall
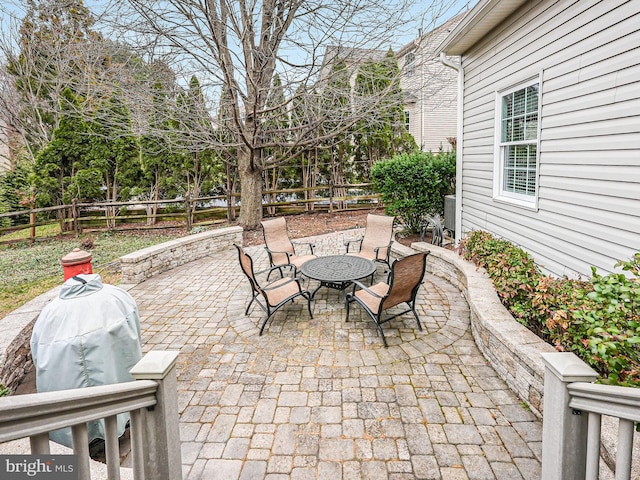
15,334
511,349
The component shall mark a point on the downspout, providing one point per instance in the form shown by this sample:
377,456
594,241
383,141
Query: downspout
459,122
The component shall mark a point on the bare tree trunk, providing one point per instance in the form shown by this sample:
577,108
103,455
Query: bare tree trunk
314,175
111,193
338,181
156,196
250,189
110,214
197,176
271,184
305,168
231,211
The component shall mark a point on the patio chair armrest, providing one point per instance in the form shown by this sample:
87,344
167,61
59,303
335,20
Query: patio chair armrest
268,270
288,254
388,246
308,244
287,281
365,288
347,243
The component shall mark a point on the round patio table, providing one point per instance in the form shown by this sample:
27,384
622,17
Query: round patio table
337,271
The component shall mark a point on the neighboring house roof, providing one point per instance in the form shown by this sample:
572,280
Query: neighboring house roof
479,21
424,40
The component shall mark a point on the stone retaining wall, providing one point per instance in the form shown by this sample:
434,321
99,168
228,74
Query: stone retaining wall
511,349
15,335
150,261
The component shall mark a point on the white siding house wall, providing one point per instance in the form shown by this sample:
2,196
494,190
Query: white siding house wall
432,89
587,56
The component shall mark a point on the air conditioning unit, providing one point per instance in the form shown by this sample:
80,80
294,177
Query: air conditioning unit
450,212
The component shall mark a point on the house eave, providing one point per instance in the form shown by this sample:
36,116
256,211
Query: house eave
479,21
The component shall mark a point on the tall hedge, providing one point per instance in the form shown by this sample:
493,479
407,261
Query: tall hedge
413,185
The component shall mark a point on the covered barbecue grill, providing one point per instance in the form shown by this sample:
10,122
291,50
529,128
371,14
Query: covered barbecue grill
89,335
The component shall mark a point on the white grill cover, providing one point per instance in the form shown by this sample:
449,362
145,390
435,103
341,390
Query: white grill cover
89,335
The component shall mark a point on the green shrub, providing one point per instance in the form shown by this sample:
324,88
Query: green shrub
599,319
605,325
512,270
413,185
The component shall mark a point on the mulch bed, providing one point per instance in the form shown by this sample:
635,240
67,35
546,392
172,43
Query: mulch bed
319,223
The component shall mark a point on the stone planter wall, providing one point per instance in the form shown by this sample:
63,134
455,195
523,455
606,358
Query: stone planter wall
511,349
15,335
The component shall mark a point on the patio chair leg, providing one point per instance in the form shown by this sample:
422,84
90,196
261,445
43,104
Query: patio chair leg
246,312
264,324
415,314
384,339
347,303
279,269
308,297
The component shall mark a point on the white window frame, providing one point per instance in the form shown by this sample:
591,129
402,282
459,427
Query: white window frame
499,193
410,64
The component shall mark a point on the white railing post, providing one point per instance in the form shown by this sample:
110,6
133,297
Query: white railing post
564,431
161,458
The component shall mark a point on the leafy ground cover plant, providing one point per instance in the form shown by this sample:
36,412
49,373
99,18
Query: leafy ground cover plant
598,319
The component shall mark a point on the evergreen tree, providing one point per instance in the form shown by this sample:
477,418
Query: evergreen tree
202,168
383,134
302,118
337,151
15,193
279,168
57,164
159,159
113,150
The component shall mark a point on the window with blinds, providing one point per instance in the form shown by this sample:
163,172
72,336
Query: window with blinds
519,142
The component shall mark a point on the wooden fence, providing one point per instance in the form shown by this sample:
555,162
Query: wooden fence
180,212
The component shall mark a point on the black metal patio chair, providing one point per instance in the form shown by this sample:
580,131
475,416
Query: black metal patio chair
402,286
376,242
281,249
275,294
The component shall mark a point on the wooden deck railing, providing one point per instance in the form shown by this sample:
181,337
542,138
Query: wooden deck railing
151,402
573,410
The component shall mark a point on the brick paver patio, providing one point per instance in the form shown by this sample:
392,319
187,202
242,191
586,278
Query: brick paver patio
322,398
